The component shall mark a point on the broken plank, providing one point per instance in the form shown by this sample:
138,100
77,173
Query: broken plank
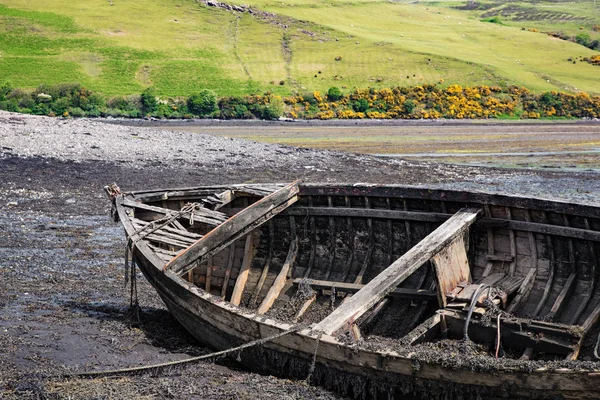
228,271
564,294
240,283
396,273
237,226
280,281
204,215
451,268
304,307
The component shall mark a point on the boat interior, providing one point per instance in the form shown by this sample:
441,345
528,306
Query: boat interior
399,266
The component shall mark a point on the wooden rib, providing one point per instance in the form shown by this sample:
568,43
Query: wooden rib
282,277
265,271
425,330
313,241
237,226
230,260
560,300
350,242
331,240
550,281
407,226
592,288
513,245
240,283
305,306
396,273
226,197
490,243
208,274
367,260
527,285
374,312
390,233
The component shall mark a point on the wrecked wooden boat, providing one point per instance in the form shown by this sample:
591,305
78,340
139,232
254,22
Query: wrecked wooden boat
399,291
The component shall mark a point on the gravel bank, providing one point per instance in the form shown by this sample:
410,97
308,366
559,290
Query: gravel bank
61,292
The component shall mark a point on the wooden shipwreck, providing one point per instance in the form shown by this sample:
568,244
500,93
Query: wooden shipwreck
403,291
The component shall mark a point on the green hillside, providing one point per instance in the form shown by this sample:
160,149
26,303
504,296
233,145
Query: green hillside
181,46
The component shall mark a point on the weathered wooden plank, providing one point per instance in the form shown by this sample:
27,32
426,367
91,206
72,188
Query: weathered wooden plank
513,245
209,270
267,264
367,260
203,215
451,268
237,226
355,287
230,260
332,246
240,283
176,231
564,293
313,242
305,306
484,222
592,285
425,331
401,269
282,277
475,199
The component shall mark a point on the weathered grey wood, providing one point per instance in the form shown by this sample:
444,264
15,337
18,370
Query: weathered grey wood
350,242
267,264
425,331
373,313
203,215
401,269
398,191
550,280
209,268
176,231
167,234
282,277
527,285
451,268
484,222
332,246
305,306
516,333
313,242
592,286
230,260
367,260
240,283
513,245
564,294
415,294
235,227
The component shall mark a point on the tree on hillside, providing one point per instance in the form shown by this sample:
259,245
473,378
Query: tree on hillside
202,103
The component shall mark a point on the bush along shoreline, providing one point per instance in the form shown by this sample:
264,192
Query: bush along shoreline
416,102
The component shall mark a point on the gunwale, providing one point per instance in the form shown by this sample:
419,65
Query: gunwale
241,324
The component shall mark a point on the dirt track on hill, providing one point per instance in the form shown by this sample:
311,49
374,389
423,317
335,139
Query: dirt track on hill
64,307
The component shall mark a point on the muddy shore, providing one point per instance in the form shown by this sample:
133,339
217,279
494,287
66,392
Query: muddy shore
64,307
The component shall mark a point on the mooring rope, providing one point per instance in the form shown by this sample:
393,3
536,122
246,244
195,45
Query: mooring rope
596,347
314,359
96,374
140,234
471,308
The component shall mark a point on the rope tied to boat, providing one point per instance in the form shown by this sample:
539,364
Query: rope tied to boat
474,299
140,234
157,367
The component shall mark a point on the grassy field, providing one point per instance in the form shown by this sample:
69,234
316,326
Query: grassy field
182,46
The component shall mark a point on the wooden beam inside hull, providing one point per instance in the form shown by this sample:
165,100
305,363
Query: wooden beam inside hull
392,276
235,227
